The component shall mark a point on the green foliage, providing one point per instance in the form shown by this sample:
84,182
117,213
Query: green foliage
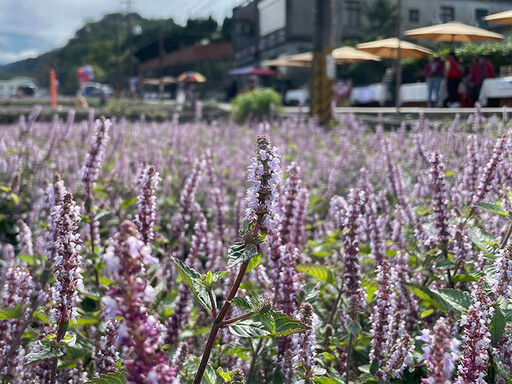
255,104
264,325
10,313
111,378
381,19
239,252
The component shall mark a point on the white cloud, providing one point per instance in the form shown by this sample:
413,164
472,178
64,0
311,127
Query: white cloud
9,57
48,24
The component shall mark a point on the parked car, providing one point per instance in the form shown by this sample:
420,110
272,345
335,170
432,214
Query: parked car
92,89
297,96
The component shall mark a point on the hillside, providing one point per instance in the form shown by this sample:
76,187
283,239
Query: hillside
106,45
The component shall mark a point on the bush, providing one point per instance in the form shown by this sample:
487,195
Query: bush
255,104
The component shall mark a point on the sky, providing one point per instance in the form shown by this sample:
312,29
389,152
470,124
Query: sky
31,27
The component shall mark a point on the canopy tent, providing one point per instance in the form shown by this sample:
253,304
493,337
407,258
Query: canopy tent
251,71
504,18
388,49
453,32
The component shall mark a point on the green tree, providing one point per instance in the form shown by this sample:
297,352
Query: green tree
380,19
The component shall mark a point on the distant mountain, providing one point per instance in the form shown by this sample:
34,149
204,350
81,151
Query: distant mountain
106,45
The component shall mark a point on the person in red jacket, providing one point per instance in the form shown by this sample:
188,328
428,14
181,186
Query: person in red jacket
453,72
482,69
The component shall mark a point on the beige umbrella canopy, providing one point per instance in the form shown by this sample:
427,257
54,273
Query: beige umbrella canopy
453,32
388,49
285,62
352,55
340,55
500,18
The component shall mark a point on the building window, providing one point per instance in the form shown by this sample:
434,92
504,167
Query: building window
447,14
352,14
479,17
414,15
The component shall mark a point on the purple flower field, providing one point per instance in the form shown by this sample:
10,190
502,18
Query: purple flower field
281,252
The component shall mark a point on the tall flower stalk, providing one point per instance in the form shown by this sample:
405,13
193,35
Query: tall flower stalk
146,202
139,333
68,266
90,171
262,197
477,338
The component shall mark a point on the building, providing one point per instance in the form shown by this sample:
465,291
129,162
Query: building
245,35
420,13
265,29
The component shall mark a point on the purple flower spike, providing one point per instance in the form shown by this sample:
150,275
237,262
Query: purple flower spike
146,202
96,155
473,366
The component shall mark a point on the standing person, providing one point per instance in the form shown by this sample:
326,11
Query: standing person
482,69
389,81
453,72
433,72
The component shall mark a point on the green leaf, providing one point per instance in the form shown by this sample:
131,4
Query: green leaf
494,208
209,278
427,295
374,367
242,303
238,253
69,340
426,313
354,328
485,242
40,316
466,278
322,273
255,261
326,380
254,327
457,299
110,378
127,203
45,354
497,326
210,375
285,325
15,198
226,376
192,279
84,320
10,313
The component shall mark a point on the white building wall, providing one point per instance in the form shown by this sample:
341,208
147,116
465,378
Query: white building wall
465,10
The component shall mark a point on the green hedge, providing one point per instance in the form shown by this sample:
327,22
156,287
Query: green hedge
255,104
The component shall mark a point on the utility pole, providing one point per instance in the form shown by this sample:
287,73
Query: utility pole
323,65
161,51
398,74
129,27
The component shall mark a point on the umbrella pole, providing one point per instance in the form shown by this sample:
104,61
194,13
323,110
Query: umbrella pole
398,74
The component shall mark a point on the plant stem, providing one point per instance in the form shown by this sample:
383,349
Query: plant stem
60,335
253,360
214,304
217,323
235,319
505,240
335,306
349,355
